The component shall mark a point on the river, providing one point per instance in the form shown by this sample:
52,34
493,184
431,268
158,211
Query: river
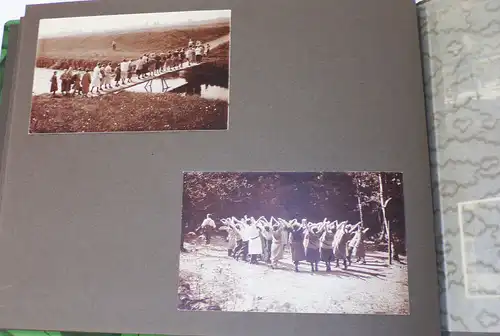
41,85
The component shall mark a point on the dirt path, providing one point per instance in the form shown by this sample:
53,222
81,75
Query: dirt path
374,288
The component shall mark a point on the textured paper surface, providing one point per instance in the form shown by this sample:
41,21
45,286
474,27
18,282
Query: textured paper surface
460,48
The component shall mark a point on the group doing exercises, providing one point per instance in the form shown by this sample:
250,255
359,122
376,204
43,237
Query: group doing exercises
254,240
108,75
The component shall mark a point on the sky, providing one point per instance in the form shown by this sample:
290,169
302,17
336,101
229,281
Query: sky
95,24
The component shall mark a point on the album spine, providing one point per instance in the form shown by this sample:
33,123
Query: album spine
461,58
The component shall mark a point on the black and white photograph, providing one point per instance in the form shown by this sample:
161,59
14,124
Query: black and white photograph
293,242
132,73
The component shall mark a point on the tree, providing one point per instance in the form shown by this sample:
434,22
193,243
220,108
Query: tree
208,192
366,184
374,198
370,189
383,204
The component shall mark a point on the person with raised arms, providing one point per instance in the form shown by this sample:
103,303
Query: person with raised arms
297,242
326,244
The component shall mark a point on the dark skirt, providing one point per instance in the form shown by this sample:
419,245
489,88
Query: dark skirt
326,255
298,253
64,85
312,255
53,86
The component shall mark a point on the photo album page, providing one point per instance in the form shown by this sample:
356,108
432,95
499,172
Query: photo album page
218,168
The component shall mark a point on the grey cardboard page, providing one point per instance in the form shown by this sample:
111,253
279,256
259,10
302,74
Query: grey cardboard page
7,95
91,222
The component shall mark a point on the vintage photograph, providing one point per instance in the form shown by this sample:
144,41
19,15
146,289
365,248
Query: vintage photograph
132,73
297,242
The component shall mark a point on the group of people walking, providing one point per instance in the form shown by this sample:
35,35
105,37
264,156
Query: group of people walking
105,76
255,240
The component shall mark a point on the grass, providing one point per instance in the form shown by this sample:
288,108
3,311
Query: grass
126,112
85,51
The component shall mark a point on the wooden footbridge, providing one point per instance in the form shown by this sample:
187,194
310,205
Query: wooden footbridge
148,81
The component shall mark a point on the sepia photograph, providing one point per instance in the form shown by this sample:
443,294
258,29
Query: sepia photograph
132,73
293,242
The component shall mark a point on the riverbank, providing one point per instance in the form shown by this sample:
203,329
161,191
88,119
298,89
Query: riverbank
126,112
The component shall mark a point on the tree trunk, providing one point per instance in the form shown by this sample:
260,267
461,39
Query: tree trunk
383,204
360,207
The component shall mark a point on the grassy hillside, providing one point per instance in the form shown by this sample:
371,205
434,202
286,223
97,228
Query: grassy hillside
219,55
125,112
132,44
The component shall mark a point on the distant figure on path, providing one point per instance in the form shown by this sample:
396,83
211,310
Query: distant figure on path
208,227
96,78
190,43
53,84
86,79
113,45
207,49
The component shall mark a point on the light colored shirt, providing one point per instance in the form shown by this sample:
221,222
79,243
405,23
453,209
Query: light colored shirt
97,72
208,222
107,70
124,66
244,233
